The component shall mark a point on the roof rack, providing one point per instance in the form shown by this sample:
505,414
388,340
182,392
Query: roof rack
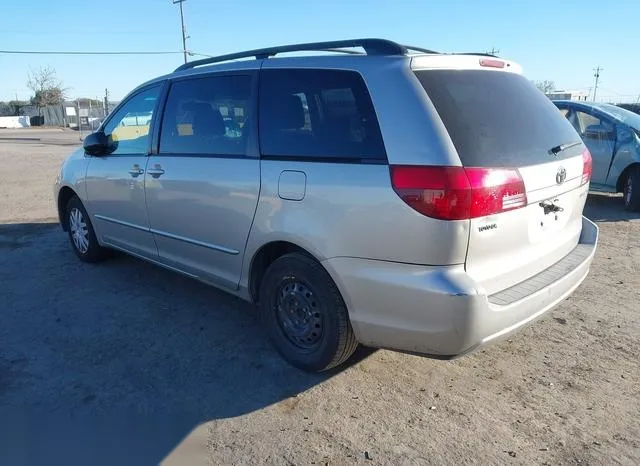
370,46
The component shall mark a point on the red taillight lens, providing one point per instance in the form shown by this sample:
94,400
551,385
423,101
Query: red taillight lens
495,190
438,192
491,63
457,193
587,167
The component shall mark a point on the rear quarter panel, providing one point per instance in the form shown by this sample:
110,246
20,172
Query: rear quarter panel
350,210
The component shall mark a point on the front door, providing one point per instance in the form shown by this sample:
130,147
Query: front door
115,182
202,187
599,135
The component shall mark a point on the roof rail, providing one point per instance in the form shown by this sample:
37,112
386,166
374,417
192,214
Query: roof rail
480,54
418,49
370,46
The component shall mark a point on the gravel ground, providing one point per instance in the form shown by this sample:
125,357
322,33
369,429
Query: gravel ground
126,363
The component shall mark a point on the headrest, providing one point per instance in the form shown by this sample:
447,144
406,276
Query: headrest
290,113
207,121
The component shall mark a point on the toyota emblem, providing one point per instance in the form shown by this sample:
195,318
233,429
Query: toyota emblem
561,175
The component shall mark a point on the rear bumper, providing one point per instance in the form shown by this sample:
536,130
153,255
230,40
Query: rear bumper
441,311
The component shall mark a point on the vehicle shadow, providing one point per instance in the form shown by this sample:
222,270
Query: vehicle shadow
123,356
607,208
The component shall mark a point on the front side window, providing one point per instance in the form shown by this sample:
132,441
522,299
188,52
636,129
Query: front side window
209,115
308,113
128,129
592,127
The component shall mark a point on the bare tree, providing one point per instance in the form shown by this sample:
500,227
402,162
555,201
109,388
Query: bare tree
47,88
545,86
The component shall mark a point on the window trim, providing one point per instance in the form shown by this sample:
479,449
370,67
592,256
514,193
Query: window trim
161,85
382,160
252,138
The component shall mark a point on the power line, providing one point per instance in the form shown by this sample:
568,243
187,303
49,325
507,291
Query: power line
83,32
57,52
199,54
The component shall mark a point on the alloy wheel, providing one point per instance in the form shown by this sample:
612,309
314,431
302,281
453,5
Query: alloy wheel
79,230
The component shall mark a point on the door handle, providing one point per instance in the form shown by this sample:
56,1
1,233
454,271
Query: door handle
156,171
136,171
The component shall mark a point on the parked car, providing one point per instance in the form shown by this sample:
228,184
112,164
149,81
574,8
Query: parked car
399,198
612,135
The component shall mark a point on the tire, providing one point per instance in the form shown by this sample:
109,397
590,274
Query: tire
305,315
81,233
631,193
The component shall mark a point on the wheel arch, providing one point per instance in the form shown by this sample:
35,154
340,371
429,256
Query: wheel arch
64,196
623,176
265,256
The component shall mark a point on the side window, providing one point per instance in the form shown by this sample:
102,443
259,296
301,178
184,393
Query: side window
570,115
207,115
318,114
128,129
594,128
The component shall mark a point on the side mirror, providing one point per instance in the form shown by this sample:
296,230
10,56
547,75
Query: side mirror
96,143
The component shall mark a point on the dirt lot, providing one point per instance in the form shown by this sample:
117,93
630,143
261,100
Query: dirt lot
125,363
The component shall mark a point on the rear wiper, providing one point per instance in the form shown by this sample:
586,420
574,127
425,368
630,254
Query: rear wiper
557,149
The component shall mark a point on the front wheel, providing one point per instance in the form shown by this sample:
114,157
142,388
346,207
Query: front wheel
81,234
632,190
305,315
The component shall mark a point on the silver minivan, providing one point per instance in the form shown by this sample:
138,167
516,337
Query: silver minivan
394,196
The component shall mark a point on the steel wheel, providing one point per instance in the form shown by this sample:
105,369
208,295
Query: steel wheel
299,315
629,191
304,314
79,230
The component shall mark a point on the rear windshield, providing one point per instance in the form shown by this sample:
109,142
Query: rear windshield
497,119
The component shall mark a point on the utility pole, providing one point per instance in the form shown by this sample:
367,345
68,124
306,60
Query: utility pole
493,51
597,76
184,31
106,101
78,118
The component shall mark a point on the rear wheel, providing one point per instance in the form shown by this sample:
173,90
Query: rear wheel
632,190
305,315
81,234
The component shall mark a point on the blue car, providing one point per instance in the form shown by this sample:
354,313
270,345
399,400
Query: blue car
612,135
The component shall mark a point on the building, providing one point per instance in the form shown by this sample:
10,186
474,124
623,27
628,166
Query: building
568,95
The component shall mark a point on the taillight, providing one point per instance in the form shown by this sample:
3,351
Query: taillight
457,193
587,167
491,63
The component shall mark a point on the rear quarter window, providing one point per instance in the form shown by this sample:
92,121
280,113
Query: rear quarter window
497,119
317,114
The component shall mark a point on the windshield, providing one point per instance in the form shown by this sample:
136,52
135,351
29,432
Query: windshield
498,119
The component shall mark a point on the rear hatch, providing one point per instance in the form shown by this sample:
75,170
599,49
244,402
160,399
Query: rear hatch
527,168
